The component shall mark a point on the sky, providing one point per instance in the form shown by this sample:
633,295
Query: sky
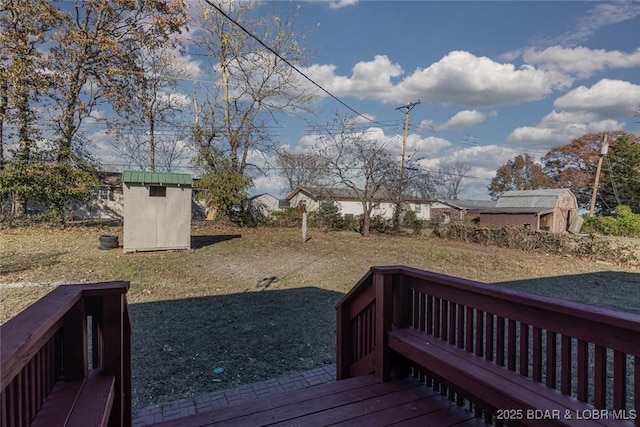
494,79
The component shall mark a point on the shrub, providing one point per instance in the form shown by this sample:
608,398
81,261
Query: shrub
411,221
330,217
623,223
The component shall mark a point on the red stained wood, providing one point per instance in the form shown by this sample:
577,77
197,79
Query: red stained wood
358,401
566,365
44,357
94,402
600,377
582,368
515,328
619,380
491,385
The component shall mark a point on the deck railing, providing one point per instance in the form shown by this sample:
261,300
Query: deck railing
61,338
587,352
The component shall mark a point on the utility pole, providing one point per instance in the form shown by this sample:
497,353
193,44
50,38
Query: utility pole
603,152
406,109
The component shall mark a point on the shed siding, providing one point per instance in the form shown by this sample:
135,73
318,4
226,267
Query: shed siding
516,220
156,223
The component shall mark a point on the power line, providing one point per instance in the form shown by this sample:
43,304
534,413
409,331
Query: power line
263,44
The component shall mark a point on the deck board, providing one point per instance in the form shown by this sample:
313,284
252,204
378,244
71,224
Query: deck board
356,401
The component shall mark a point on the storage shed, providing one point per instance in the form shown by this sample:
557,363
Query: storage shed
553,210
157,211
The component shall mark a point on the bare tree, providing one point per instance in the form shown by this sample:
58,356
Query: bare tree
358,163
153,122
302,169
254,85
170,148
451,181
96,58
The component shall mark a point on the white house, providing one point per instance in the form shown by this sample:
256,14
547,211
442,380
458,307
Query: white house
268,203
350,204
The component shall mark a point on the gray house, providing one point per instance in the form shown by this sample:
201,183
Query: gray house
554,210
157,211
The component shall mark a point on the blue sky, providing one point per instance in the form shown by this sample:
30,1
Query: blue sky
495,79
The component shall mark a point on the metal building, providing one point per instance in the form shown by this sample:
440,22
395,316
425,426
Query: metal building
554,210
157,211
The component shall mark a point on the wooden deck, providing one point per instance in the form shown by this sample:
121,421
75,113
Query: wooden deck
497,352
360,401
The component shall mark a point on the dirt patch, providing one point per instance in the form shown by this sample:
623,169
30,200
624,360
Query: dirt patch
251,304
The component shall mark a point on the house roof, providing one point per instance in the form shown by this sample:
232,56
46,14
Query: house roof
345,194
517,211
533,199
157,178
468,204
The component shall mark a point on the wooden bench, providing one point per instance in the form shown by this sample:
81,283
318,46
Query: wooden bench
511,357
82,403
514,397
65,361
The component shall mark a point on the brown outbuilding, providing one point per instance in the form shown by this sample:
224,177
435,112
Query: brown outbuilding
553,210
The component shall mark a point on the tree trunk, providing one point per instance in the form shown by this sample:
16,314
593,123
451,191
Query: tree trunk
18,206
366,220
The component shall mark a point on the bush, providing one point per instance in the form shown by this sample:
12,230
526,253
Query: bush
330,217
591,247
411,221
380,224
623,223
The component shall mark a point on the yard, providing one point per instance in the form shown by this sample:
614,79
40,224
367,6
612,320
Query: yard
246,305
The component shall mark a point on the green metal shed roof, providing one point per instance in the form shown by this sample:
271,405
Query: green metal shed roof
159,178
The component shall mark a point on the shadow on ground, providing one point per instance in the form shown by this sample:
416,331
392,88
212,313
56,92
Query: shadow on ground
611,289
13,262
188,347
198,242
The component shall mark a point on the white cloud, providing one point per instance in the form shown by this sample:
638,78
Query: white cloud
465,119
458,78
336,4
369,79
601,15
559,128
484,161
581,61
608,98
463,78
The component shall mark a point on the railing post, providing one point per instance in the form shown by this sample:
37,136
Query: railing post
402,310
383,283
343,342
112,333
74,343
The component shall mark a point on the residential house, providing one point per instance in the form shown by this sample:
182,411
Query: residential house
268,203
106,203
554,210
349,203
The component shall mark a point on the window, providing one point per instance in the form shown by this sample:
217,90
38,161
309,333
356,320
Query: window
156,191
418,208
103,193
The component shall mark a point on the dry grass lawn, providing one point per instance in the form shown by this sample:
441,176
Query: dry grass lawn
259,303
